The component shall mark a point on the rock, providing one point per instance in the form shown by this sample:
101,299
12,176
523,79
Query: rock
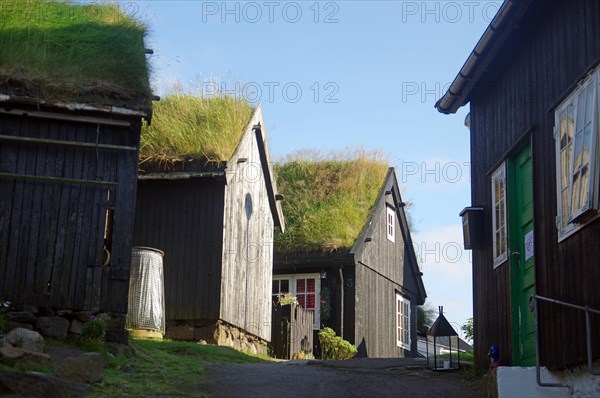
52,326
86,368
10,325
46,312
35,384
183,332
64,312
30,308
21,317
17,356
83,316
119,349
202,342
26,339
76,326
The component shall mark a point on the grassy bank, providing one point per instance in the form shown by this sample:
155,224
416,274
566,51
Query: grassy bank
165,368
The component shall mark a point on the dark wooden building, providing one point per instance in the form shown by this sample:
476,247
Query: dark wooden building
532,83
68,163
368,293
215,223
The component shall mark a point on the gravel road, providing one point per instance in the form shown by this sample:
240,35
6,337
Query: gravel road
353,378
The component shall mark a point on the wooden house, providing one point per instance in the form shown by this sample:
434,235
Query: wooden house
532,83
69,135
348,256
215,220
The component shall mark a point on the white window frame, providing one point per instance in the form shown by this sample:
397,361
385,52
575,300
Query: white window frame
569,217
403,322
293,278
390,223
499,223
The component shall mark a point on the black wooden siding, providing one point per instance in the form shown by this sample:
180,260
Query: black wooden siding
184,219
552,51
51,233
380,273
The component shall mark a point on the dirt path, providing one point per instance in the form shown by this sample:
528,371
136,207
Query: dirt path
354,378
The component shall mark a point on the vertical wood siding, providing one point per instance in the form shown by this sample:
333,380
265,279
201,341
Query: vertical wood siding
51,234
551,53
247,245
184,219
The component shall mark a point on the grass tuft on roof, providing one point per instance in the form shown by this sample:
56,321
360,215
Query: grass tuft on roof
186,127
327,198
57,51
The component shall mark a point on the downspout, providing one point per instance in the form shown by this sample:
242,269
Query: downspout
341,303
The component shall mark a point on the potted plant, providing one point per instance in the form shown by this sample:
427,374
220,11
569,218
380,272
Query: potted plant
93,333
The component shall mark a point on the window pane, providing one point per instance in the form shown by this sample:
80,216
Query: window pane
563,129
300,284
310,285
581,108
589,103
570,123
587,143
301,300
583,196
575,194
310,301
577,153
285,286
275,287
565,207
565,162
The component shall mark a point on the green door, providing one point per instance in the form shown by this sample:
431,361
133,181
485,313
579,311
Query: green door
522,259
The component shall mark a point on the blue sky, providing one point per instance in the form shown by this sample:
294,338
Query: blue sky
334,75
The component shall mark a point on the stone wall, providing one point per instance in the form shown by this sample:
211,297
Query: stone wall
62,324
216,332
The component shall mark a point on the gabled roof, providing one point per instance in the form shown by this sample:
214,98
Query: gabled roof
441,327
390,187
73,56
203,168
505,23
327,200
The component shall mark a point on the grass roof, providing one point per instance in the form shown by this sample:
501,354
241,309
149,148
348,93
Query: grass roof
327,199
186,127
68,52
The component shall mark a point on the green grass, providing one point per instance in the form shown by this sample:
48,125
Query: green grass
58,51
186,127
464,356
327,198
165,368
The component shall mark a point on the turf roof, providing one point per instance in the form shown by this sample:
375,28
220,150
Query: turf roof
327,200
56,51
186,127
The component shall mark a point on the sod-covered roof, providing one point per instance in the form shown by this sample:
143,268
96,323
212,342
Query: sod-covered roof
327,200
65,52
186,127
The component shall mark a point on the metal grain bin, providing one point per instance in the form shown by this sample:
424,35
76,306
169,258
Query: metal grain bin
146,304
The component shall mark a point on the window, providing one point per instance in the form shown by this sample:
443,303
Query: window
402,322
306,288
576,134
499,215
390,224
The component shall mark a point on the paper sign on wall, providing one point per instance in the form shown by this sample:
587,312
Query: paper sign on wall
529,245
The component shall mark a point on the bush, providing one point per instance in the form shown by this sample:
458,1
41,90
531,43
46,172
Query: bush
2,324
94,329
334,347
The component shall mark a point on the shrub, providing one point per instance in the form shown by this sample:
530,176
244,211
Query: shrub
94,329
334,347
2,324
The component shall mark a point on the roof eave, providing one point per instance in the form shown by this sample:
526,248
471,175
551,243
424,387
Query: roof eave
482,55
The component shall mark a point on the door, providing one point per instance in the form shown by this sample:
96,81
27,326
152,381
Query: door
522,258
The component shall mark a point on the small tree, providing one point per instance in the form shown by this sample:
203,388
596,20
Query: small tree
467,328
425,317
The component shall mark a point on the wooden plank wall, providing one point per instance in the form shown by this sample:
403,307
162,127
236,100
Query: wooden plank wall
184,219
553,50
248,244
380,272
51,234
